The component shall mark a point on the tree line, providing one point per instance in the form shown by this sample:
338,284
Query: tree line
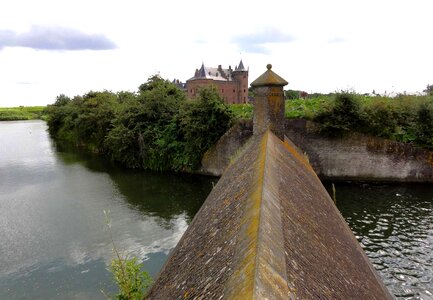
155,128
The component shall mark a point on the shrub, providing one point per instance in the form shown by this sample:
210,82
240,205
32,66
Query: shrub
424,126
379,118
342,116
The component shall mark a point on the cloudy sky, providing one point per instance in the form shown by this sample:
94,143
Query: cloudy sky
49,47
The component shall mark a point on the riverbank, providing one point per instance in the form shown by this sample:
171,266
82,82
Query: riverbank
22,113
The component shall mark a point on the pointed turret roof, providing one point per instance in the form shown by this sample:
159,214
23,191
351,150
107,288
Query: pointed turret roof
269,78
241,66
202,71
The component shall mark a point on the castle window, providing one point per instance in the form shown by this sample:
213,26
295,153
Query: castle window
244,90
234,91
222,90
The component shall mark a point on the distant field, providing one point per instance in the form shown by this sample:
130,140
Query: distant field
21,113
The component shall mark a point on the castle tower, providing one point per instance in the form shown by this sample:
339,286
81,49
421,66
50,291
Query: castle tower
240,76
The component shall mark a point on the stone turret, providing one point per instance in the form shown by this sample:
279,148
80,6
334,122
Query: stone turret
269,103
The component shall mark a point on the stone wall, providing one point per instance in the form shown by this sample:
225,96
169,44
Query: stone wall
227,149
354,157
360,157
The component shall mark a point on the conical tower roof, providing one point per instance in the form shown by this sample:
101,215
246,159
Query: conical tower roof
269,78
202,71
241,66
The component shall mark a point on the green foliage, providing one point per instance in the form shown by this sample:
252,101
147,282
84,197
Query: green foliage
291,94
62,100
156,128
306,109
424,125
132,282
21,113
429,90
343,116
379,118
202,123
405,118
83,120
144,132
242,111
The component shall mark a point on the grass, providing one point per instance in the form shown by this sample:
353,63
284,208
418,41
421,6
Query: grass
298,108
21,113
242,111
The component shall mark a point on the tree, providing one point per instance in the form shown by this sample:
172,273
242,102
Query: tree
202,123
429,90
62,100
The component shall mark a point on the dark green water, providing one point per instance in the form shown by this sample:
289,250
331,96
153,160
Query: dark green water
53,244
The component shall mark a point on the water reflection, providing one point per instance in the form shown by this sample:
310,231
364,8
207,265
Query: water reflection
52,223
164,195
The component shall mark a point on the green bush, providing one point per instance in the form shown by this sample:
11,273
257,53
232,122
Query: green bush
343,116
424,126
379,118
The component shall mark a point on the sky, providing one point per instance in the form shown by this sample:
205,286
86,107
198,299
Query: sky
52,47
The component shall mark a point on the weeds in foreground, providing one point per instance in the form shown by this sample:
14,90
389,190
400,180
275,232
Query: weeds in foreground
132,282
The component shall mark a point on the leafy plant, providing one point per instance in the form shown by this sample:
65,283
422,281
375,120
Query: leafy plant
343,116
424,126
130,279
202,123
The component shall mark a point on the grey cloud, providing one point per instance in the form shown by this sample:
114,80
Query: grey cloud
55,38
255,42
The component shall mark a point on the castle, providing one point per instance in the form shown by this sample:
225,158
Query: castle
231,84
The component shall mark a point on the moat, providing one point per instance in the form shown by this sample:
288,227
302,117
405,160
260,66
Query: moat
54,243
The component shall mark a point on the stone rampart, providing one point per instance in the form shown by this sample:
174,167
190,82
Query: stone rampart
355,157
